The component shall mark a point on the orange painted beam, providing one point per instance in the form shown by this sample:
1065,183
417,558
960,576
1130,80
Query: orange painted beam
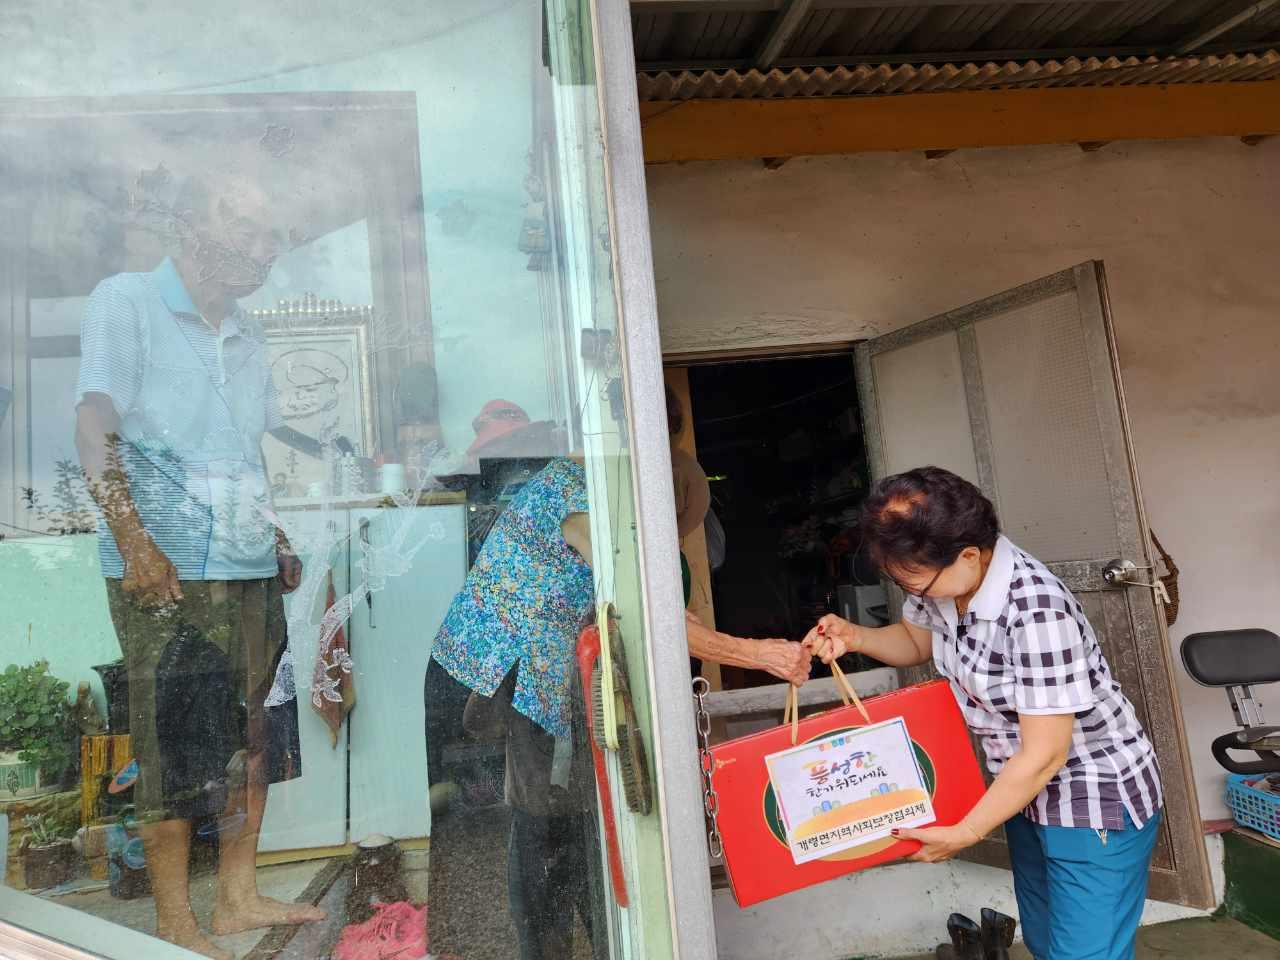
748,129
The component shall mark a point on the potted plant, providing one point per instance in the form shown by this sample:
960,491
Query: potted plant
37,739
48,857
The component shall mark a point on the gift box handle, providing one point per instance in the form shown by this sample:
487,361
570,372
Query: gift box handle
791,713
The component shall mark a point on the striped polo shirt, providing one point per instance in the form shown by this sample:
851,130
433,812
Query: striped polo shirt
193,403
1025,647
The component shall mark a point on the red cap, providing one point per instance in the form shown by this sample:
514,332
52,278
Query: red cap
496,419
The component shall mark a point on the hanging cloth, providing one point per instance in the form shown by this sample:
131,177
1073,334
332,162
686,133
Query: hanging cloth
333,687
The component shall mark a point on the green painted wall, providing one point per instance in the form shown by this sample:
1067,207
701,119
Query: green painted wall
53,588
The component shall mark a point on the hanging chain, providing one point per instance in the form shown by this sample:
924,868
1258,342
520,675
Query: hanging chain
710,799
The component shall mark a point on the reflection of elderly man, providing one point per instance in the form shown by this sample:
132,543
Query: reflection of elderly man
175,394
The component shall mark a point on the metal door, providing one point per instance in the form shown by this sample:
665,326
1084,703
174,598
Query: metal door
1021,394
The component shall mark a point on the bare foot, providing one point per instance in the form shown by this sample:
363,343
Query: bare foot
261,912
194,940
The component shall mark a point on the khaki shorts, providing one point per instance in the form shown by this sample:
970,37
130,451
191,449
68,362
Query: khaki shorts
198,673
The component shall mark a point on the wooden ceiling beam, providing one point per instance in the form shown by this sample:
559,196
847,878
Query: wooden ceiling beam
791,127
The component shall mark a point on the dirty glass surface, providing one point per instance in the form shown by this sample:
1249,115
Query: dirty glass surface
314,470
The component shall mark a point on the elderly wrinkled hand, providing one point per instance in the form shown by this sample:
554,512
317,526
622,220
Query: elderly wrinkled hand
149,576
786,660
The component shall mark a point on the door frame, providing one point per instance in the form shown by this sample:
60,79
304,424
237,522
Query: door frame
784,351
676,367
678,780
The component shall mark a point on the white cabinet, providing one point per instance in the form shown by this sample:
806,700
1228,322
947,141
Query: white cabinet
375,780
311,811
421,557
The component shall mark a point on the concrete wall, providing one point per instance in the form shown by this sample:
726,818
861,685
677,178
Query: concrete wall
840,248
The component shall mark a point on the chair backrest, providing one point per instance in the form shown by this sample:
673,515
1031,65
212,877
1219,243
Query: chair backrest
1230,658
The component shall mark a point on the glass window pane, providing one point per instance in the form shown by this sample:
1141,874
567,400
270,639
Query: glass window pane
314,471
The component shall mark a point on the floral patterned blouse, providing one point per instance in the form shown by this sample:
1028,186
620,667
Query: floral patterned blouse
524,601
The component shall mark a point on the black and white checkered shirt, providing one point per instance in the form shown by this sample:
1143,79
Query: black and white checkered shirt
1025,647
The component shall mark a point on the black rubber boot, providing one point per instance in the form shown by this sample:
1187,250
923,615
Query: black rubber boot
997,934
966,940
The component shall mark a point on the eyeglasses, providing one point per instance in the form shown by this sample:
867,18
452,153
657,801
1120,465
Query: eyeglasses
922,593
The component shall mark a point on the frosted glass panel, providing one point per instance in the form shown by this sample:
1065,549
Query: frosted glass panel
923,412
1047,451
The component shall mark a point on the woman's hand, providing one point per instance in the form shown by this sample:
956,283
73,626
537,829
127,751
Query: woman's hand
940,843
832,638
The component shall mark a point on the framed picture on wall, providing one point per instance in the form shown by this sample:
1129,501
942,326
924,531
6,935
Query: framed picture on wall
324,380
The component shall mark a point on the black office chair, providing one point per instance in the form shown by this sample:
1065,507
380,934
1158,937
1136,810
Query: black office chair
1238,659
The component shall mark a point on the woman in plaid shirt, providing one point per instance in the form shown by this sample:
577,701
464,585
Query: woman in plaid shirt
1076,783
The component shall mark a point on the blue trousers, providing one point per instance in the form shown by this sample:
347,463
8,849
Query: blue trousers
1080,892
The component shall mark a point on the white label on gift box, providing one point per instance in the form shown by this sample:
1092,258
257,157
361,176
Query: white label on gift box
848,789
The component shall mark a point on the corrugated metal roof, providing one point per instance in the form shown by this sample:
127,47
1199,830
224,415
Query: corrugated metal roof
882,79
693,35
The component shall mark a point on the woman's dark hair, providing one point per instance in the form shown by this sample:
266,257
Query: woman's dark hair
922,519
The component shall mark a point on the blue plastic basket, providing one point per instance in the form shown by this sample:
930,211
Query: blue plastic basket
1253,808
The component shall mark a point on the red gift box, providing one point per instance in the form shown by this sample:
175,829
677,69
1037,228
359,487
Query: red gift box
756,855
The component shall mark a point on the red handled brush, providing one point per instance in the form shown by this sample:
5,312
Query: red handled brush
588,655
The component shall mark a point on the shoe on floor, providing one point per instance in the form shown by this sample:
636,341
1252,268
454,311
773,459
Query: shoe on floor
997,934
966,940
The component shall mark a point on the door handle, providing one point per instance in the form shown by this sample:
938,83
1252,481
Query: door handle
1122,572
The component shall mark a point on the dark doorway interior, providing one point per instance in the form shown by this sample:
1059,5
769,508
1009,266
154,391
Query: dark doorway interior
782,443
